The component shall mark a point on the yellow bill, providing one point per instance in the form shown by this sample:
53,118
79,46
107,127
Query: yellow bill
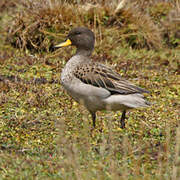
63,44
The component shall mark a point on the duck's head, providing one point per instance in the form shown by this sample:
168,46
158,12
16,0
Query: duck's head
81,37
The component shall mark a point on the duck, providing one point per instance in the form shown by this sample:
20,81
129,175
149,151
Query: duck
97,86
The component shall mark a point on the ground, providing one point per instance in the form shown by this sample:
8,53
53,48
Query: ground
45,134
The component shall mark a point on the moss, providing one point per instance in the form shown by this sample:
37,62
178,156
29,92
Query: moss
44,134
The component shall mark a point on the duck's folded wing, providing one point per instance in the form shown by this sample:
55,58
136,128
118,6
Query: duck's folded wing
102,76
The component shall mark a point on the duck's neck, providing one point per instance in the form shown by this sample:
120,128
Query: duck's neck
84,52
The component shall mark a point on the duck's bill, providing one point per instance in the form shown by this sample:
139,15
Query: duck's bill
64,44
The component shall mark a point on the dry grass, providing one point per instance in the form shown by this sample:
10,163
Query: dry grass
44,134
35,24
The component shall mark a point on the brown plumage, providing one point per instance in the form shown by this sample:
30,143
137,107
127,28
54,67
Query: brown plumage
102,76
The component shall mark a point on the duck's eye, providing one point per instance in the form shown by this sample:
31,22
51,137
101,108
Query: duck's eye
77,33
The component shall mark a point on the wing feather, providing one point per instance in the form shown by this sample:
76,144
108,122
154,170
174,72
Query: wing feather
102,76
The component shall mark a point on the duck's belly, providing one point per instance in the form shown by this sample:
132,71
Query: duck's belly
92,103
91,97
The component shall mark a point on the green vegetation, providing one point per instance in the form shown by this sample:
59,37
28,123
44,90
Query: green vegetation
44,134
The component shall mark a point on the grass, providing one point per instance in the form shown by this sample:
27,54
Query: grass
44,134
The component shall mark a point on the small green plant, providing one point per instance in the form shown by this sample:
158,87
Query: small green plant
44,134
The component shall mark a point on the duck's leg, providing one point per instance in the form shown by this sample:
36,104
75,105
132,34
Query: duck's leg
123,117
93,114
